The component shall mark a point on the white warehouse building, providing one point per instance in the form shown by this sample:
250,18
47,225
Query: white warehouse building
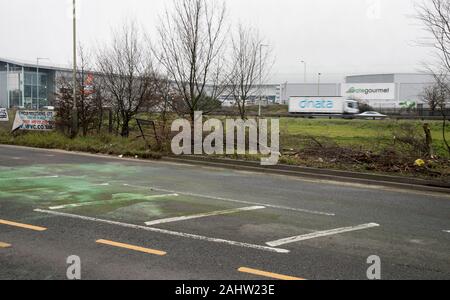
381,91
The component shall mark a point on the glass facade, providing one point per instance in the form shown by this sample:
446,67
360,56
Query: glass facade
35,89
27,87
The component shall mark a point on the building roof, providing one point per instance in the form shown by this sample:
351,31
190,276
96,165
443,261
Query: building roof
34,65
402,78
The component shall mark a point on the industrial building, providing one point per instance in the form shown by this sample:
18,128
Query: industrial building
381,91
268,94
387,91
32,86
28,85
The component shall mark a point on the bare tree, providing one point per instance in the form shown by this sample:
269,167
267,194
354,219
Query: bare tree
190,49
249,65
435,15
443,96
128,76
169,102
432,96
89,96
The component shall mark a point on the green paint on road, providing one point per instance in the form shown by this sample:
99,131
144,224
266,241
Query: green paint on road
101,188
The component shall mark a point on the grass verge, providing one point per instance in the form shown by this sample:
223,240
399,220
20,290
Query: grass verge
103,144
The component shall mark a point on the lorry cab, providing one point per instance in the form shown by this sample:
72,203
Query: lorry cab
351,107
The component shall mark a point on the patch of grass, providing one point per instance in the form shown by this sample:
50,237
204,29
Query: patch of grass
369,135
104,144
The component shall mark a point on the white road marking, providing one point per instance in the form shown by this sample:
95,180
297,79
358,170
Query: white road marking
319,234
29,178
448,231
236,201
74,205
198,216
167,232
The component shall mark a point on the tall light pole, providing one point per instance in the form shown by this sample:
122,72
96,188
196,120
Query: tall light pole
318,83
74,74
260,77
304,75
37,80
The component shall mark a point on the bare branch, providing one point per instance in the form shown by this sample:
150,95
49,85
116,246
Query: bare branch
190,49
127,73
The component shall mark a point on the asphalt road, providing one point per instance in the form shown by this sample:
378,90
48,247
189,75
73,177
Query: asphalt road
177,221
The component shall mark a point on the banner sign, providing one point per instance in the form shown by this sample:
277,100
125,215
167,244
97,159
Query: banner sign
4,115
369,91
34,121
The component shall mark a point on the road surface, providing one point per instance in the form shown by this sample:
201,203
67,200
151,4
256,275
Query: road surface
129,219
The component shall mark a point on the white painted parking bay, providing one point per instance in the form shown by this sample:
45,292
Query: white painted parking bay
247,224
268,205
320,234
75,205
203,215
166,232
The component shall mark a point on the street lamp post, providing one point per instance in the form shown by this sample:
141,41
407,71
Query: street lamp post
304,75
74,74
318,84
37,81
260,77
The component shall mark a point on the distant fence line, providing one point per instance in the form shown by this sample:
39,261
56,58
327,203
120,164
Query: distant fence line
419,114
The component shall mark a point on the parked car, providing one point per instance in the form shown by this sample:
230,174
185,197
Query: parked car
372,115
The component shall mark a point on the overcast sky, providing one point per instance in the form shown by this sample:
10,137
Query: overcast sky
335,37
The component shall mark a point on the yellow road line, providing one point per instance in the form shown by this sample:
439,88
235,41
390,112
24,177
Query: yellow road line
26,226
131,247
4,245
268,274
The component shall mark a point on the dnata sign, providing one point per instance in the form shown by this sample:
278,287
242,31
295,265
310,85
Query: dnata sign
317,104
370,91
328,105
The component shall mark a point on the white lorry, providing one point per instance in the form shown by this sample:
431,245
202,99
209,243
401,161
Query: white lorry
323,106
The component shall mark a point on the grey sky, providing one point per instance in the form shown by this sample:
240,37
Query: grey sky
335,37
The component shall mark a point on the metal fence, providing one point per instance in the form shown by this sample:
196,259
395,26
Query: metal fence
416,112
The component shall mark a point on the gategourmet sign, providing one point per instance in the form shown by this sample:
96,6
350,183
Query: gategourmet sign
4,115
369,91
34,120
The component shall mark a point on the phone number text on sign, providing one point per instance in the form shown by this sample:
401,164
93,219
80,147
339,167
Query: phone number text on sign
34,120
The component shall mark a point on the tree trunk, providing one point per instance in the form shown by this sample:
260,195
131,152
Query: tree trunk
444,127
125,128
428,138
100,121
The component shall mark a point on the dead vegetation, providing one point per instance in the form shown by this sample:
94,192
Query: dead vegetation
408,153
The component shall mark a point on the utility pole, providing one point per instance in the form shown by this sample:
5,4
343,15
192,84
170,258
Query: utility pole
74,74
260,77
